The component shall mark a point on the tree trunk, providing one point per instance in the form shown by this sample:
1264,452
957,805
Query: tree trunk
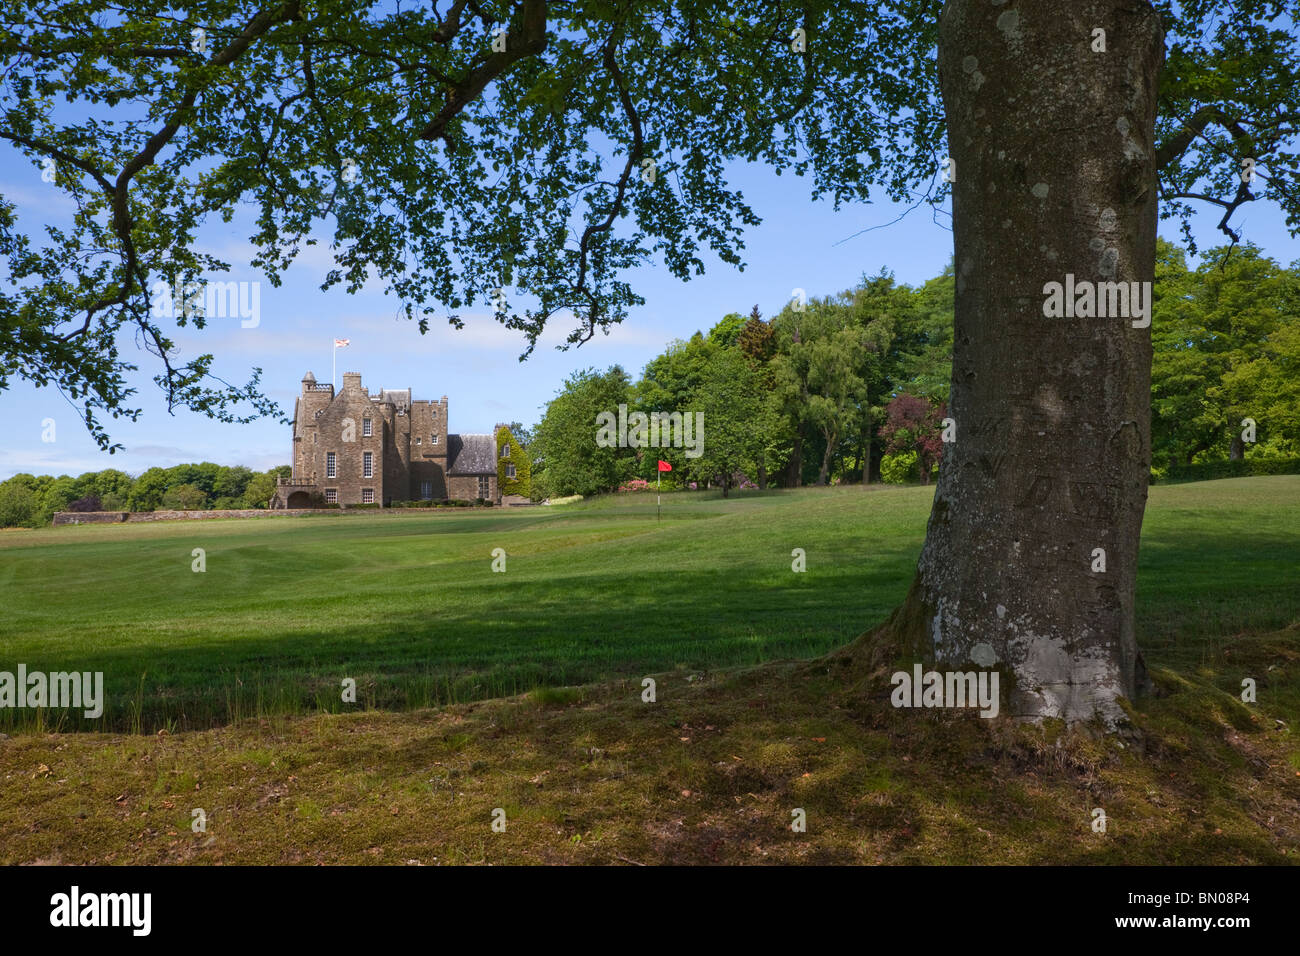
762,475
795,466
864,454
1054,157
826,460
1237,449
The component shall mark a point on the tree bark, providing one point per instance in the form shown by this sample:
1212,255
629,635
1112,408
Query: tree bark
794,468
864,454
1237,448
826,460
1054,151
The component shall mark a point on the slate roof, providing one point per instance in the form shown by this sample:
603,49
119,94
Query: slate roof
471,455
401,397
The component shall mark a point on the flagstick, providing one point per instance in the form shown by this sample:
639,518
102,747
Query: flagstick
658,500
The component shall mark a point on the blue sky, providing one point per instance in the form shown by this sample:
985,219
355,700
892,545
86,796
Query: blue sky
799,244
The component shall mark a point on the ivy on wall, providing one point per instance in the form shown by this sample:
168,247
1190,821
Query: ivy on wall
521,483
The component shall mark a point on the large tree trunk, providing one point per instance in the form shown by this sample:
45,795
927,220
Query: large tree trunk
1237,447
1053,147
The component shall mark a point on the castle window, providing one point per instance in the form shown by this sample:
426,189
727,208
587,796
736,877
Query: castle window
433,439
330,465
505,450
510,471
331,496
368,465
366,429
426,490
417,439
484,487
367,496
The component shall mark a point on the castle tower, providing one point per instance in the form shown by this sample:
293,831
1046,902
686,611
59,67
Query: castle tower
313,400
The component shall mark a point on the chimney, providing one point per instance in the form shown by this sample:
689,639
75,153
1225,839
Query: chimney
351,380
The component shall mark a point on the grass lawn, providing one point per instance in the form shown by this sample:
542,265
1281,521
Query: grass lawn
408,605
747,728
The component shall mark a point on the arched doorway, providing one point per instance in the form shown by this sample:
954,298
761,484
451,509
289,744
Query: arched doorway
299,499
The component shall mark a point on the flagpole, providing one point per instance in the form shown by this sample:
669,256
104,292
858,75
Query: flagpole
334,367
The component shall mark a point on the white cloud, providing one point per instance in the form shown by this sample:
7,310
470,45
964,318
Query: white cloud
311,337
42,462
132,460
39,199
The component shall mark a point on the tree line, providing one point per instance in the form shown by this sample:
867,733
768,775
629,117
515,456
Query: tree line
31,500
845,388
854,387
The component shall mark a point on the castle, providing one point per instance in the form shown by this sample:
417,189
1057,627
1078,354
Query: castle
355,447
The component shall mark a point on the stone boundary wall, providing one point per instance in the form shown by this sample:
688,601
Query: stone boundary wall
119,517
88,517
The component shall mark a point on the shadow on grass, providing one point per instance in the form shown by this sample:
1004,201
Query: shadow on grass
555,627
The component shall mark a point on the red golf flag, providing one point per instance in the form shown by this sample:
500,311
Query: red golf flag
664,466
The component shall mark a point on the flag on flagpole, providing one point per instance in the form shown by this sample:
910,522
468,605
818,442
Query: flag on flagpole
334,355
664,466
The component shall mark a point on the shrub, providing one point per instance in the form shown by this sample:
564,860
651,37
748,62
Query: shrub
899,469
88,503
18,504
742,482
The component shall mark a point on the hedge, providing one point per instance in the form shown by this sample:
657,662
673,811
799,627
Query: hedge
1241,468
